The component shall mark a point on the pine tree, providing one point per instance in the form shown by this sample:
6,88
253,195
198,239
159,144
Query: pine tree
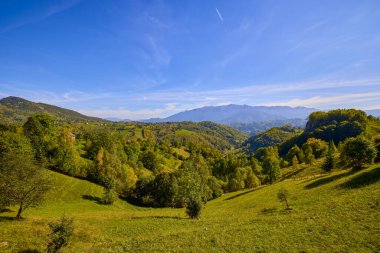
330,162
295,163
309,156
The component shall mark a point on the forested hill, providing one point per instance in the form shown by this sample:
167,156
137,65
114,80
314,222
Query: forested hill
271,137
15,109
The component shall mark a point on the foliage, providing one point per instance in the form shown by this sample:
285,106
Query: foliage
60,234
330,162
21,182
194,208
309,156
14,109
295,163
271,168
336,125
271,137
41,131
109,193
11,142
283,195
165,189
358,151
318,147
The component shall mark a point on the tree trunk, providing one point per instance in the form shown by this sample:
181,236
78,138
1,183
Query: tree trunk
18,216
286,201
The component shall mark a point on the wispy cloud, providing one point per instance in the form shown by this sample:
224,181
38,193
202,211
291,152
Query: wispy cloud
49,97
160,55
123,113
166,102
46,13
348,100
219,15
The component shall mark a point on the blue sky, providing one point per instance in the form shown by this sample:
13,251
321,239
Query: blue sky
142,59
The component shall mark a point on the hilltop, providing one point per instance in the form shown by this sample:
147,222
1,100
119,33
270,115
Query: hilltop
15,109
271,137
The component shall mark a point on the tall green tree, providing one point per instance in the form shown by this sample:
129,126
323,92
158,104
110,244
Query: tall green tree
358,152
330,162
271,168
22,183
41,131
309,157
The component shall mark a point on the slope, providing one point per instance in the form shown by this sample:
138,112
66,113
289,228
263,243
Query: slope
334,213
271,137
15,109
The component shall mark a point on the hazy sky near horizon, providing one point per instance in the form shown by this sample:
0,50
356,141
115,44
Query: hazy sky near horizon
141,59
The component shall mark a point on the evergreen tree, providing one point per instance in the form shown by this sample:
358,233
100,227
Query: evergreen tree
330,162
295,163
309,157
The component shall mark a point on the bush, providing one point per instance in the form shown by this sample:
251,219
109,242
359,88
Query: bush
194,208
358,152
109,193
60,235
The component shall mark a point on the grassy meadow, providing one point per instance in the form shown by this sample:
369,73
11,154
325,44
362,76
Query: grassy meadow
338,212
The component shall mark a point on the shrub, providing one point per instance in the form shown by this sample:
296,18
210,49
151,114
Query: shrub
109,193
60,235
194,208
358,152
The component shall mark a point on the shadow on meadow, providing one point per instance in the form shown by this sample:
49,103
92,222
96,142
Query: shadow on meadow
244,193
326,180
29,251
292,173
159,217
93,198
7,218
363,179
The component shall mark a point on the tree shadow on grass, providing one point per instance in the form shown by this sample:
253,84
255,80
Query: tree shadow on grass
363,179
158,217
270,210
313,178
326,180
293,173
243,193
6,210
93,198
29,251
6,218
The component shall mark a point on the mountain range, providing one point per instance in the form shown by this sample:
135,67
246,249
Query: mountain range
250,119
242,114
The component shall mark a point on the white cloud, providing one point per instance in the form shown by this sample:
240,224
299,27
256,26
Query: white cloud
349,100
122,113
219,15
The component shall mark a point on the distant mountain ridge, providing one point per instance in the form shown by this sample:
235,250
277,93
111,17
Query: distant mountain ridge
233,114
15,109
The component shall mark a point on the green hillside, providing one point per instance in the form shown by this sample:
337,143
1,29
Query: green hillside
271,137
15,109
332,213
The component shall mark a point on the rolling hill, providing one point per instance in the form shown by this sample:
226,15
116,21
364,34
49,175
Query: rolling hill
15,109
271,137
338,212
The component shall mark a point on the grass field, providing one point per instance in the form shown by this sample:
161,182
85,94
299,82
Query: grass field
339,212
